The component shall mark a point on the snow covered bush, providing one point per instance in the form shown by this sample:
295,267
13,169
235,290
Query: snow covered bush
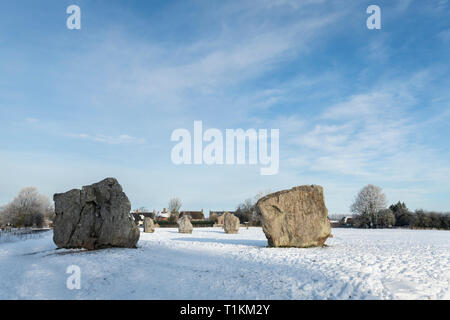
368,203
28,209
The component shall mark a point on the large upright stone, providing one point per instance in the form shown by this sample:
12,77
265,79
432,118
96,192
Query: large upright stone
295,218
95,217
231,223
184,224
149,226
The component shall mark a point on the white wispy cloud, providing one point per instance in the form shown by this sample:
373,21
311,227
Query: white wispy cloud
444,35
167,77
113,140
369,135
31,120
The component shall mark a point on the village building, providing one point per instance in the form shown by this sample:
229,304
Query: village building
139,216
195,215
347,221
334,223
163,215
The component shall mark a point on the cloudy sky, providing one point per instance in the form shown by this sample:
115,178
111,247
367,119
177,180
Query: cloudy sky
353,106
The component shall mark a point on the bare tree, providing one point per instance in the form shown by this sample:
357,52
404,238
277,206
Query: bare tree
261,194
246,211
174,205
256,218
29,208
368,203
174,209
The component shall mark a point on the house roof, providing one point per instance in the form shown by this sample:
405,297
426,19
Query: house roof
220,213
196,215
163,214
347,219
139,216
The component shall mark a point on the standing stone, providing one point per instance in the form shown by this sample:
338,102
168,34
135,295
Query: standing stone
149,226
95,217
231,223
295,218
184,224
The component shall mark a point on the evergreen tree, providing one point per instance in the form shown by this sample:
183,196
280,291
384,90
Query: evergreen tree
403,217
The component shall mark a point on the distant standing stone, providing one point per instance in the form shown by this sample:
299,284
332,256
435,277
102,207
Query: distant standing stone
231,223
95,217
185,225
295,218
149,226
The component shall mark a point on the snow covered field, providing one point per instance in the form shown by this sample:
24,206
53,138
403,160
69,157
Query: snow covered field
208,264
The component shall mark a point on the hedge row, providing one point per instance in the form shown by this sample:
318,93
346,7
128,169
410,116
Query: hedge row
169,224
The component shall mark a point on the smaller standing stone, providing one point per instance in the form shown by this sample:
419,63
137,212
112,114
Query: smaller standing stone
185,225
231,223
149,226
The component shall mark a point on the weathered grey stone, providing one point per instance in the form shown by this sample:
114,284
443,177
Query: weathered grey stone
149,226
295,218
96,217
231,223
185,225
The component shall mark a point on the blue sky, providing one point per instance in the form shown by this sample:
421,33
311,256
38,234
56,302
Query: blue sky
354,106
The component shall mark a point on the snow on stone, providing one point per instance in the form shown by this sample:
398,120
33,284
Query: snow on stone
209,264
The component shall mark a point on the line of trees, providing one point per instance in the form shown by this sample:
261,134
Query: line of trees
28,209
370,209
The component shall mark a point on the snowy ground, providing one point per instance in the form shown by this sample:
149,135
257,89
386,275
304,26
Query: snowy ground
208,264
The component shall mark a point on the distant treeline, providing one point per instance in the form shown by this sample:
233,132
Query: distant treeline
371,211
419,218
398,215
